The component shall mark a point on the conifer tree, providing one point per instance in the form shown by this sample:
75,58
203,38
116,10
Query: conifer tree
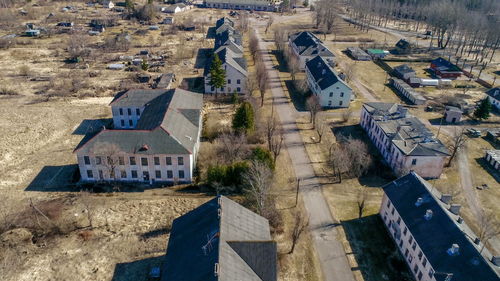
217,74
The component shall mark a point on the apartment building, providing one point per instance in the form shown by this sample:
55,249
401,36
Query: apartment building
436,243
306,46
403,140
160,145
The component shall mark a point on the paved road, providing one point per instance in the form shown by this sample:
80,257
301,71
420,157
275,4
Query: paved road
333,260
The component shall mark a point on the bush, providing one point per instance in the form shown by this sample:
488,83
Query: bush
227,175
263,155
243,119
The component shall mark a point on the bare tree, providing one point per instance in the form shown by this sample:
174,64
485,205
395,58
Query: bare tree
459,140
232,145
312,104
488,227
320,128
262,79
349,72
253,45
361,200
258,180
77,46
299,226
252,84
110,158
292,63
89,204
243,22
275,137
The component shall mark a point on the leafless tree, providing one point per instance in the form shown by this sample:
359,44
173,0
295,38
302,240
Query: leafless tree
258,180
458,141
243,22
89,203
300,225
77,45
281,39
350,157
488,227
275,137
253,45
262,79
292,63
312,104
232,145
320,128
349,72
111,158
361,200
252,84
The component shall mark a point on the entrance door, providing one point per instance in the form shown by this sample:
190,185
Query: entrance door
145,176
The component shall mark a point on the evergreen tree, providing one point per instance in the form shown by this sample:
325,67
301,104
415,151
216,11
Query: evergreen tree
263,155
217,74
483,110
243,120
235,98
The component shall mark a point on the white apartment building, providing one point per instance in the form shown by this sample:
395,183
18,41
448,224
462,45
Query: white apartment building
435,242
160,147
324,82
494,97
306,46
403,140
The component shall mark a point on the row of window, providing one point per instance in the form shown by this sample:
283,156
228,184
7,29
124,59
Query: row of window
330,103
341,94
134,175
238,89
99,160
129,111
130,123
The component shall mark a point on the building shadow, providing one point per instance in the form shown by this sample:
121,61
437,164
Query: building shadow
136,270
55,178
375,252
211,33
485,165
193,84
202,57
89,126
298,99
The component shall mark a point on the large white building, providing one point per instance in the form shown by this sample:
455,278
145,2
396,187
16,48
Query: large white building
434,240
156,139
494,97
324,82
403,140
306,46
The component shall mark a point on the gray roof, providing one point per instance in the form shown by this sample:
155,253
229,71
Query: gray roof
225,233
309,45
495,154
322,73
165,81
406,132
136,97
231,58
436,235
494,93
403,69
169,124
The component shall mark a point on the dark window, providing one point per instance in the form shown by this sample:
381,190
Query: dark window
392,213
342,94
132,161
129,111
158,174
181,174
121,160
134,174
130,123
420,254
424,263
410,258
122,123
399,220
406,253
410,239
168,160
238,89
229,81
400,243
419,275
121,111
414,162
405,231
388,203
123,174
157,161
340,103
331,94
180,160
431,272
137,112
238,81
90,174
98,160
144,161
415,268
170,174
414,246
86,160
212,89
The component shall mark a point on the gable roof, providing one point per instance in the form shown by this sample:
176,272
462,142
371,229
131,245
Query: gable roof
169,124
445,65
225,233
436,235
403,69
308,44
227,56
136,97
494,93
322,73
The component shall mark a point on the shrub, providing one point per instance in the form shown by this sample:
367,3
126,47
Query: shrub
263,155
227,175
243,119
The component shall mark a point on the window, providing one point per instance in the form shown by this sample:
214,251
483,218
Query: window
424,263
98,160
90,174
331,94
134,174
238,89
222,89
415,268
121,160
229,81
180,160
400,243
399,220
340,103
158,174
137,112
122,122
86,160
181,174
130,123
414,246
410,239
123,174
157,161
121,111
341,94
212,88
169,160
238,81
431,273
388,203
132,161
410,258
101,175
392,213
420,254
129,111
329,103
405,231
419,276
406,253
144,161
170,174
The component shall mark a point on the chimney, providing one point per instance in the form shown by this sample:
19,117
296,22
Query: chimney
496,260
477,241
419,202
446,198
428,215
460,220
454,250
455,209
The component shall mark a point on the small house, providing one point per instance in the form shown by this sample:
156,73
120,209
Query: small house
493,158
493,135
494,97
452,114
154,27
175,8
108,4
168,20
404,72
32,32
442,68
403,46
358,54
377,53
98,28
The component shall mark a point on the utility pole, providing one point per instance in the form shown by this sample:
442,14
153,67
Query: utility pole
297,192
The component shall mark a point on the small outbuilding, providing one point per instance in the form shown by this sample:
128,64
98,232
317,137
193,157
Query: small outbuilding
358,54
168,20
404,72
452,114
493,158
32,32
377,53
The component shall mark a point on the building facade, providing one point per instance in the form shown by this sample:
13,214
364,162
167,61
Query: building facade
493,158
435,242
494,97
160,146
326,84
255,5
306,46
407,91
403,140
444,69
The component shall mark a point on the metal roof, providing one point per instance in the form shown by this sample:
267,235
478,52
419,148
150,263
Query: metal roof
309,45
322,73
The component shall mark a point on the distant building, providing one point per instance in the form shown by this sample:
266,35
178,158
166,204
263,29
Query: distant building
407,91
403,140
220,241
444,69
306,46
403,46
156,138
404,72
358,54
377,53
493,134
436,243
32,32
165,81
108,4
493,158
452,114
494,97
326,84
176,8
256,5
168,20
